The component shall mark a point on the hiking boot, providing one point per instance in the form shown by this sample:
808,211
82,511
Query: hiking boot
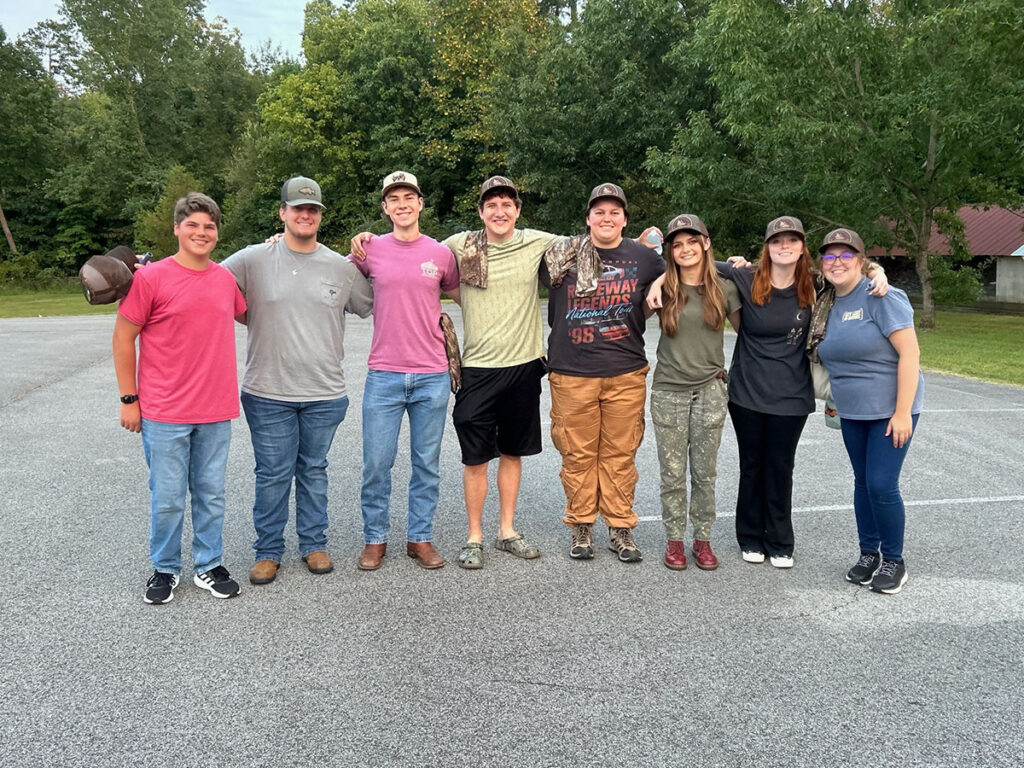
582,547
703,555
621,540
865,568
263,571
675,555
160,588
890,578
218,582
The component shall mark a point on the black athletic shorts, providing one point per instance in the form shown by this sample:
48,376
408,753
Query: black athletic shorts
497,411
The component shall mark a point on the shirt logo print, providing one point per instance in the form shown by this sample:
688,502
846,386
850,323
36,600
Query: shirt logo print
857,314
429,269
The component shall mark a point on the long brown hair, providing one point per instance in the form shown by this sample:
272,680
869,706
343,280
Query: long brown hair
761,290
674,294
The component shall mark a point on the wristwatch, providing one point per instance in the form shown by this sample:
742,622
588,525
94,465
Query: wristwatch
129,399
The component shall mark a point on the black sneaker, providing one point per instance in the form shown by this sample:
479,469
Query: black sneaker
160,588
218,582
582,547
890,578
621,540
865,568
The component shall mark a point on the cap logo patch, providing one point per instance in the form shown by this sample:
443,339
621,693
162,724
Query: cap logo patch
841,234
398,177
784,224
607,190
684,221
307,191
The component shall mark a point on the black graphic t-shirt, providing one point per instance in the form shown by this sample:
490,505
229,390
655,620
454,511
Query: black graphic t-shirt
769,372
603,334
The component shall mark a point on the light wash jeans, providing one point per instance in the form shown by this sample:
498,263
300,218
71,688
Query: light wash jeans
290,442
387,395
186,458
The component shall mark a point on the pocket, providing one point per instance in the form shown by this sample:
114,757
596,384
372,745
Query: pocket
664,409
714,404
330,294
559,435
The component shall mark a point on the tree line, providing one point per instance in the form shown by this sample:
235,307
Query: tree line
883,115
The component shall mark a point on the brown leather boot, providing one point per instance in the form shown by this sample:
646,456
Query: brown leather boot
703,555
263,572
319,562
371,556
425,554
675,555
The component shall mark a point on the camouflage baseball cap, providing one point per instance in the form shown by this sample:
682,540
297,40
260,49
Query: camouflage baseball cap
843,236
399,179
611,191
300,190
685,222
784,224
497,182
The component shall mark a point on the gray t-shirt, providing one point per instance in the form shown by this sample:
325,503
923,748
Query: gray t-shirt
296,317
694,356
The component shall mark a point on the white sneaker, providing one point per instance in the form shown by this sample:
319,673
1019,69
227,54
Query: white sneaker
782,561
753,556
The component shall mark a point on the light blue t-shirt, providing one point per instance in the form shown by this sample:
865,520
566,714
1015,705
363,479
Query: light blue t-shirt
860,359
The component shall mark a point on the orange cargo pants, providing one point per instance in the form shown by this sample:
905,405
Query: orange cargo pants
597,424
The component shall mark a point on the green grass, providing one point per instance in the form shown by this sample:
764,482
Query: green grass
24,303
987,347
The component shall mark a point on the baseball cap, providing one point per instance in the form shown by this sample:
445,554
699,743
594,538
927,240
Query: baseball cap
784,224
107,278
843,236
497,182
685,222
400,179
612,191
300,190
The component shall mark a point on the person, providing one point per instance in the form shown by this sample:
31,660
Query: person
688,394
871,353
770,392
181,393
293,390
599,370
408,371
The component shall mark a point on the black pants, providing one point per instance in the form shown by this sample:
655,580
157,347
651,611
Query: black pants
764,503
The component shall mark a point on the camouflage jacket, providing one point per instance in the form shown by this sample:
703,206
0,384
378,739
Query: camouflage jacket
579,252
825,297
473,265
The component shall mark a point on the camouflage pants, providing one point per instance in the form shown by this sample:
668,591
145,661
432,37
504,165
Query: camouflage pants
688,425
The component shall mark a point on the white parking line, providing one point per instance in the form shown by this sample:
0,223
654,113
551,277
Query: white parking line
920,503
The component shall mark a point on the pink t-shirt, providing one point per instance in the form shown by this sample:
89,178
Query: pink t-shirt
407,280
187,371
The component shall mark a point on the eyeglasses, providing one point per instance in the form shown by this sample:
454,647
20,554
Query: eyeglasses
846,256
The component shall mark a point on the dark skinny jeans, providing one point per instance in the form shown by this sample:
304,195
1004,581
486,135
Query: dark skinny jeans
877,502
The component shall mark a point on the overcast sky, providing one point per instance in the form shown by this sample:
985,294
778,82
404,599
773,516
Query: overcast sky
279,21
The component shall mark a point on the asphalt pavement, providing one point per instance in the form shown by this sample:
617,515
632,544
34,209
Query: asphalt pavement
550,662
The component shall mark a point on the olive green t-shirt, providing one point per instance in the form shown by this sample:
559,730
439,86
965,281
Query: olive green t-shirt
502,322
694,356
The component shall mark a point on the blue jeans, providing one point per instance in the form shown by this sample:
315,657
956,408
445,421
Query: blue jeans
877,502
193,458
290,442
386,397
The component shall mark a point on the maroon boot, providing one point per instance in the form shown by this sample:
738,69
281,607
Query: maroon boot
703,555
675,555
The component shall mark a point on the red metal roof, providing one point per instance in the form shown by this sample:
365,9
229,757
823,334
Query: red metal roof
993,232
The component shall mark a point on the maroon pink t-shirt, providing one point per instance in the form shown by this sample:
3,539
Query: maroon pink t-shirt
407,280
187,371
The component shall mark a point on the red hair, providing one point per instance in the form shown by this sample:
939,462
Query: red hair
761,290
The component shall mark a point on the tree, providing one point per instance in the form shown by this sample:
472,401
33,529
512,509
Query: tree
28,105
854,113
594,100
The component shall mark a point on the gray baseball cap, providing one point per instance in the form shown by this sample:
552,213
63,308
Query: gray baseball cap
784,224
399,179
685,222
843,236
612,191
300,190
